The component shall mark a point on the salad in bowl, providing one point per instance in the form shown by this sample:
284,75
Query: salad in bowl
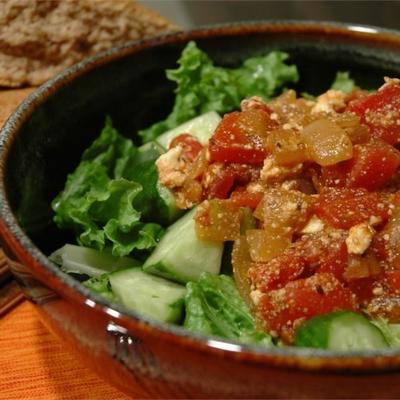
252,212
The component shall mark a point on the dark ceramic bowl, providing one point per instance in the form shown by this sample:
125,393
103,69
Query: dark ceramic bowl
43,141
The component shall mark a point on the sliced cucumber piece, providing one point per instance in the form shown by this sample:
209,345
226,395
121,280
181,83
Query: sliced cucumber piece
149,295
201,127
83,260
171,211
149,151
341,330
181,256
390,331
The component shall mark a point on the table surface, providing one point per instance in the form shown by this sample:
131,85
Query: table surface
34,365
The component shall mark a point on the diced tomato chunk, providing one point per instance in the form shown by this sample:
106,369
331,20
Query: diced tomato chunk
381,112
283,309
229,131
373,165
278,272
392,279
343,208
378,247
321,253
385,244
396,199
253,154
363,288
244,198
191,146
335,175
232,143
222,181
334,260
221,185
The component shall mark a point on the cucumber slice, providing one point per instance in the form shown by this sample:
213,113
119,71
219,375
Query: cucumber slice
171,211
83,260
181,256
149,295
341,330
390,331
201,127
149,151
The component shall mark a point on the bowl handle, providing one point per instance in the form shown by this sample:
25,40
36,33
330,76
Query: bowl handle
132,351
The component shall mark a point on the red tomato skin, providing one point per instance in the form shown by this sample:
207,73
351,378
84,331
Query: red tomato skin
378,247
231,144
221,185
278,272
231,175
335,260
392,280
344,207
310,254
373,108
335,175
373,165
233,153
191,146
229,131
283,309
242,198
363,288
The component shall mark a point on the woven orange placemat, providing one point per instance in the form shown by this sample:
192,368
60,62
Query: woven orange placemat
35,366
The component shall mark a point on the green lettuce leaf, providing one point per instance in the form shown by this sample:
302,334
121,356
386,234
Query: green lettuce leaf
214,307
203,87
307,96
343,82
101,202
101,285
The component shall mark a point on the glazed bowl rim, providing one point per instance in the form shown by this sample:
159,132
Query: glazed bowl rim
17,240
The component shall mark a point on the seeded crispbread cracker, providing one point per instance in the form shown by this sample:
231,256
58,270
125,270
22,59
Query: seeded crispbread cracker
39,38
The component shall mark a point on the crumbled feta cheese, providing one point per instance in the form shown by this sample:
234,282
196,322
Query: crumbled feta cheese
255,187
359,239
373,220
314,225
390,81
171,168
272,172
378,290
290,185
252,103
330,101
292,125
255,296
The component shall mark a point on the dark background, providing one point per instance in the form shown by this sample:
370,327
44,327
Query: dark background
194,13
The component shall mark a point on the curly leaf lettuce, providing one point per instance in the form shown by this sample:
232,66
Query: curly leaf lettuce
103,204
343,82
101,285
203,87
214,307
